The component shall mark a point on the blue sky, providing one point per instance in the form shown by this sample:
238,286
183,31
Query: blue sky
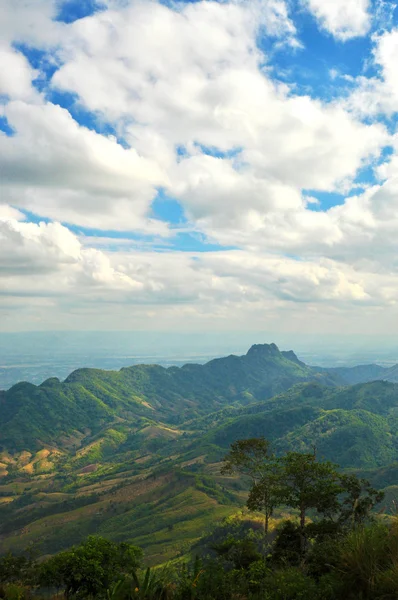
234,158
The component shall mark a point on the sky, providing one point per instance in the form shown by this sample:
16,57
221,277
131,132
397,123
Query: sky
202,166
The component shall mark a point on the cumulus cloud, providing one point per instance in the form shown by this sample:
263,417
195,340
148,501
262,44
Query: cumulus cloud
192,79
29,21
16,75
55,260
57,169
49,271
190,92
8,212
344,19
374,96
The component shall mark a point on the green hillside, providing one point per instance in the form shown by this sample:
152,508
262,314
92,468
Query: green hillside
355,426
135,455
58,413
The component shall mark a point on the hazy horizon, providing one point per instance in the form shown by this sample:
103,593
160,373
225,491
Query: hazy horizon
35,356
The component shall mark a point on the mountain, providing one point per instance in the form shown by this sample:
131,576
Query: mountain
354,426
359,374
58,413
363,373
135,455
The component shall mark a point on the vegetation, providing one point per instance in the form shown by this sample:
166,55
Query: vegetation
253,458
136,456
91,398
90,569
335,550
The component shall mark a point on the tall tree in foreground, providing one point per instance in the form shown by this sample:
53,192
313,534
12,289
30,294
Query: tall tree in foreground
253,458
308,484
248,457
299,481
358,501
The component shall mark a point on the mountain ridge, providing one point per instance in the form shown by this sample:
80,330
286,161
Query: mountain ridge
91,398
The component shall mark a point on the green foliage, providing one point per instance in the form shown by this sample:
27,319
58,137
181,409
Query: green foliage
13,591
308,484
286,549
240,553
302,483
292,584
239,526
151,585
360,564
16,569
91,568
253,458
249,457
360,498
368,562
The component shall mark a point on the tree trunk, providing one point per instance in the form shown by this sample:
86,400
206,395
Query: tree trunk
266,519
302,531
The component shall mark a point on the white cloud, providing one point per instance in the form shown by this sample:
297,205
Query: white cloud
378,95
8,212
55,260
48,272
57,169
344,19
191,79
59,264
16,75
28,21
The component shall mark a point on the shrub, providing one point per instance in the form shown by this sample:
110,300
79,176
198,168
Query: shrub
13,591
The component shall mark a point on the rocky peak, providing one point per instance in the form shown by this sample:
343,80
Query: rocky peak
260,350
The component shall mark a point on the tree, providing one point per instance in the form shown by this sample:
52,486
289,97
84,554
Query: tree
299,481
248,457
265,495
90,568
358,501
308,484
241,553
16,569
254,459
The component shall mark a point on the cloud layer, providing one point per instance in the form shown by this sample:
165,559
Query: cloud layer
142,99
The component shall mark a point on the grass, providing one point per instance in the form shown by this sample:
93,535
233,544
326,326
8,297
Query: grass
165,527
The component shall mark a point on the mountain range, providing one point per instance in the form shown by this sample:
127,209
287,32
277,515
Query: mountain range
135,454
89,399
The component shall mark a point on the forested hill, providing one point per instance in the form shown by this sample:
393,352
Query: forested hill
54,412
135,455
354,426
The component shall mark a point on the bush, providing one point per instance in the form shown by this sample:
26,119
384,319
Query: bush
369,562
324,557
13,591
286,547
290,584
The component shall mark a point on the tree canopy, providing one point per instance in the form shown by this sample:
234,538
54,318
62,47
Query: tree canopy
90,568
